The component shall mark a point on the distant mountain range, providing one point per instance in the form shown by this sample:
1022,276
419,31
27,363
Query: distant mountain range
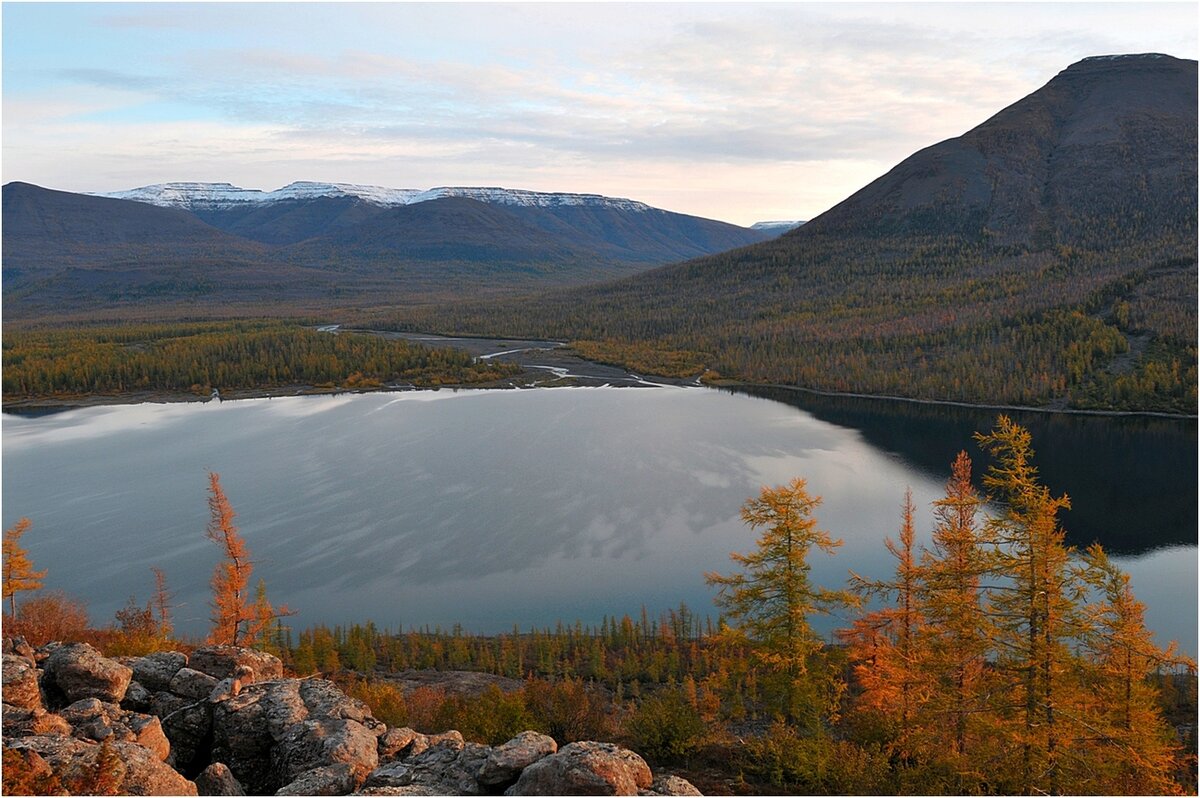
1048,256
314,241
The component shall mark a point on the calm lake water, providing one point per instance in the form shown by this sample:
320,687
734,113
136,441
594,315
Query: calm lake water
495,508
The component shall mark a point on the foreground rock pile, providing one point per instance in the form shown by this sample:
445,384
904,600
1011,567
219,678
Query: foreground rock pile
224,721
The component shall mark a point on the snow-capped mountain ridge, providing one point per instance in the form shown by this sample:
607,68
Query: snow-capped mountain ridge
218,196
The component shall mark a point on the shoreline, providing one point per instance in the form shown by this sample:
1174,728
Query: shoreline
544,364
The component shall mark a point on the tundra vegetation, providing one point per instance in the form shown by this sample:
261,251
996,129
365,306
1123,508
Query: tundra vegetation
994,660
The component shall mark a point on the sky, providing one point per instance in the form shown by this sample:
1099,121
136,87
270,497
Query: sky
741,112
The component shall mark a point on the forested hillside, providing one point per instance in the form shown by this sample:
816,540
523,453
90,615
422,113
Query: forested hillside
1047,257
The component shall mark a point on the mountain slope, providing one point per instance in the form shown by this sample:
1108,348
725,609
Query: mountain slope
324,242
1046,257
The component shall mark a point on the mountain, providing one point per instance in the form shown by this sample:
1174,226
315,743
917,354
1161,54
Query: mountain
776,227
1045,257
322,241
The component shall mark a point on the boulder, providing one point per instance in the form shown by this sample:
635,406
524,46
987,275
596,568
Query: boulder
134,769
585,768
20,677
322,741
336,779
395,743
272,733
79,671
25,722
187,727
155,671
217,780
221,661
19,647
193,684
137,698
505,762
93,719
446,769
670,785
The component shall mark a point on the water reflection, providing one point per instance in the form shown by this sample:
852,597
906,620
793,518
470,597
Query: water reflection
1132,479
485,508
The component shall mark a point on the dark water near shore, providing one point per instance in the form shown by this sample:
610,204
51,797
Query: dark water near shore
495,508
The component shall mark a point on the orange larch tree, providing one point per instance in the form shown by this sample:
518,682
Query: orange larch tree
237,617
18,570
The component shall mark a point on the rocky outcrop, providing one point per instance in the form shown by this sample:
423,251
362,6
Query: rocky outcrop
132,769
216,779
143,725
585,768
79,671
21,688
505,762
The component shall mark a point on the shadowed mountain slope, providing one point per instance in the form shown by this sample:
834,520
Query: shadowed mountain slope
1046,257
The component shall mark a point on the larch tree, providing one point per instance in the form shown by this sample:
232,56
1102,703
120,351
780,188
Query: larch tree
958,627
237,617
771,598
19,575
887,644
1037,611
1135,752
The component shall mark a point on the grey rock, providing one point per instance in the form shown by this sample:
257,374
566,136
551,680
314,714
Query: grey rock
137,698
670,785
395,743
585,768
187,728
505,762
193,684
446,769
155,671
221,661
79,671
93,719
20,722
322,741
409,789
141,773
336,779
20,677
216,779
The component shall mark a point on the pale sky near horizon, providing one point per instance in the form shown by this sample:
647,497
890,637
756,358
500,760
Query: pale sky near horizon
741,112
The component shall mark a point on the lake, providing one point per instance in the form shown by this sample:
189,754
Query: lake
497,508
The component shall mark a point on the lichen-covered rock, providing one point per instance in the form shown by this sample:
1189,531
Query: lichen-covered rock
217,780
336,779
155,671
93,719
79,671
585,768
187,727
221,661
320,741
137,698
37,721
505,762
136,772
193,684
394,743
670,785
272,733
20,677
446,769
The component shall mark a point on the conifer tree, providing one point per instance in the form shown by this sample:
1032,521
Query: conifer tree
1135,753
887,643
18,570
237,618
1037,612
958,628
771,598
